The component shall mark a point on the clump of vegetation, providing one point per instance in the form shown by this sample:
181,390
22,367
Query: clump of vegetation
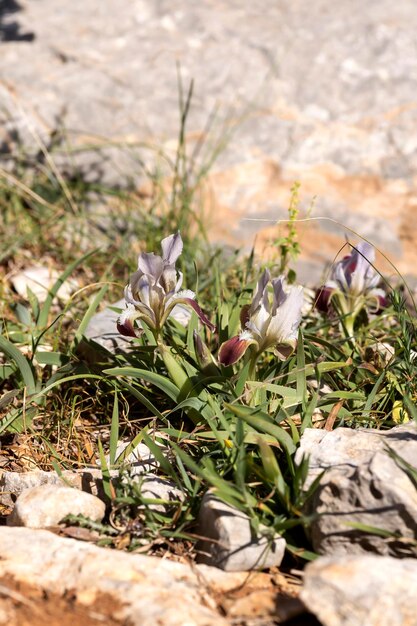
228,363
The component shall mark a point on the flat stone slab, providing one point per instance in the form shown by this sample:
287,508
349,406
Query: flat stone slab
146,590
321,92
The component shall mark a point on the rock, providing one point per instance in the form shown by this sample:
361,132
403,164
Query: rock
155,488
102,329
40,280
230,542
102,326
139,461
362,484
13,483
314,98
362,590
146,590
47,505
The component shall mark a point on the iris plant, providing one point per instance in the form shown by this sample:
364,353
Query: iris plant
353,285
270,322
154,291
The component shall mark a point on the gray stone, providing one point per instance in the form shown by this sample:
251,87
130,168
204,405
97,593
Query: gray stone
230,542
12,484
102,329
138,461
47,505
362,590
40,279
156,488
362,484
324,93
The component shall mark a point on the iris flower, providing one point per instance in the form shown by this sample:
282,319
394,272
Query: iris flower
270,322
353,285
154,291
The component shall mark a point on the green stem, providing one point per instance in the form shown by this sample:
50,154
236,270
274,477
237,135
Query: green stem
349,322
253,359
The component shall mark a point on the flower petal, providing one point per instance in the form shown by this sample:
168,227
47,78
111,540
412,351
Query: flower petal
204,357
168,279
283,327
260,290
171,248
244,315
151,264
187,297
360,270
181,314
125,321
285,350
233,349
203,318
322,298
279,293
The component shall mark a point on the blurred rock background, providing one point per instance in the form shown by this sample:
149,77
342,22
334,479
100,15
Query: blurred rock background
319,92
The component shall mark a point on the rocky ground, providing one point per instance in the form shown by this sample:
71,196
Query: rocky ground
319,92
362,576
322,93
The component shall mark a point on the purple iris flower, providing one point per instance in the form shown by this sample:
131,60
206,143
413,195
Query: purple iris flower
270,321
353,284
154,291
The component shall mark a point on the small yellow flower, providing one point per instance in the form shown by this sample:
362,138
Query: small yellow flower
399,413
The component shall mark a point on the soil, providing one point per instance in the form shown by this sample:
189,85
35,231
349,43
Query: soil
25,605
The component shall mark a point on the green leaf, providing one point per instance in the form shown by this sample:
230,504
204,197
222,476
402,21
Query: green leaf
6,370
372,394
159,456
18,420
307,555
107,486
60,381
22,363
89,314
151,377
261,422
290,396
301,379
371,530
23,314
143,399
114,430
52,358
270,463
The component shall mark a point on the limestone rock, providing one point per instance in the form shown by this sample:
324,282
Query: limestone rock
156,488
230,543
147,590
362,590
362,484
102,329
13,483
325,93
47,505
138,461
102,326
39,280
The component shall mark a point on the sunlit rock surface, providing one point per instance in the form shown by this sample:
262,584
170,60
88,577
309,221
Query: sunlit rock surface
321,92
